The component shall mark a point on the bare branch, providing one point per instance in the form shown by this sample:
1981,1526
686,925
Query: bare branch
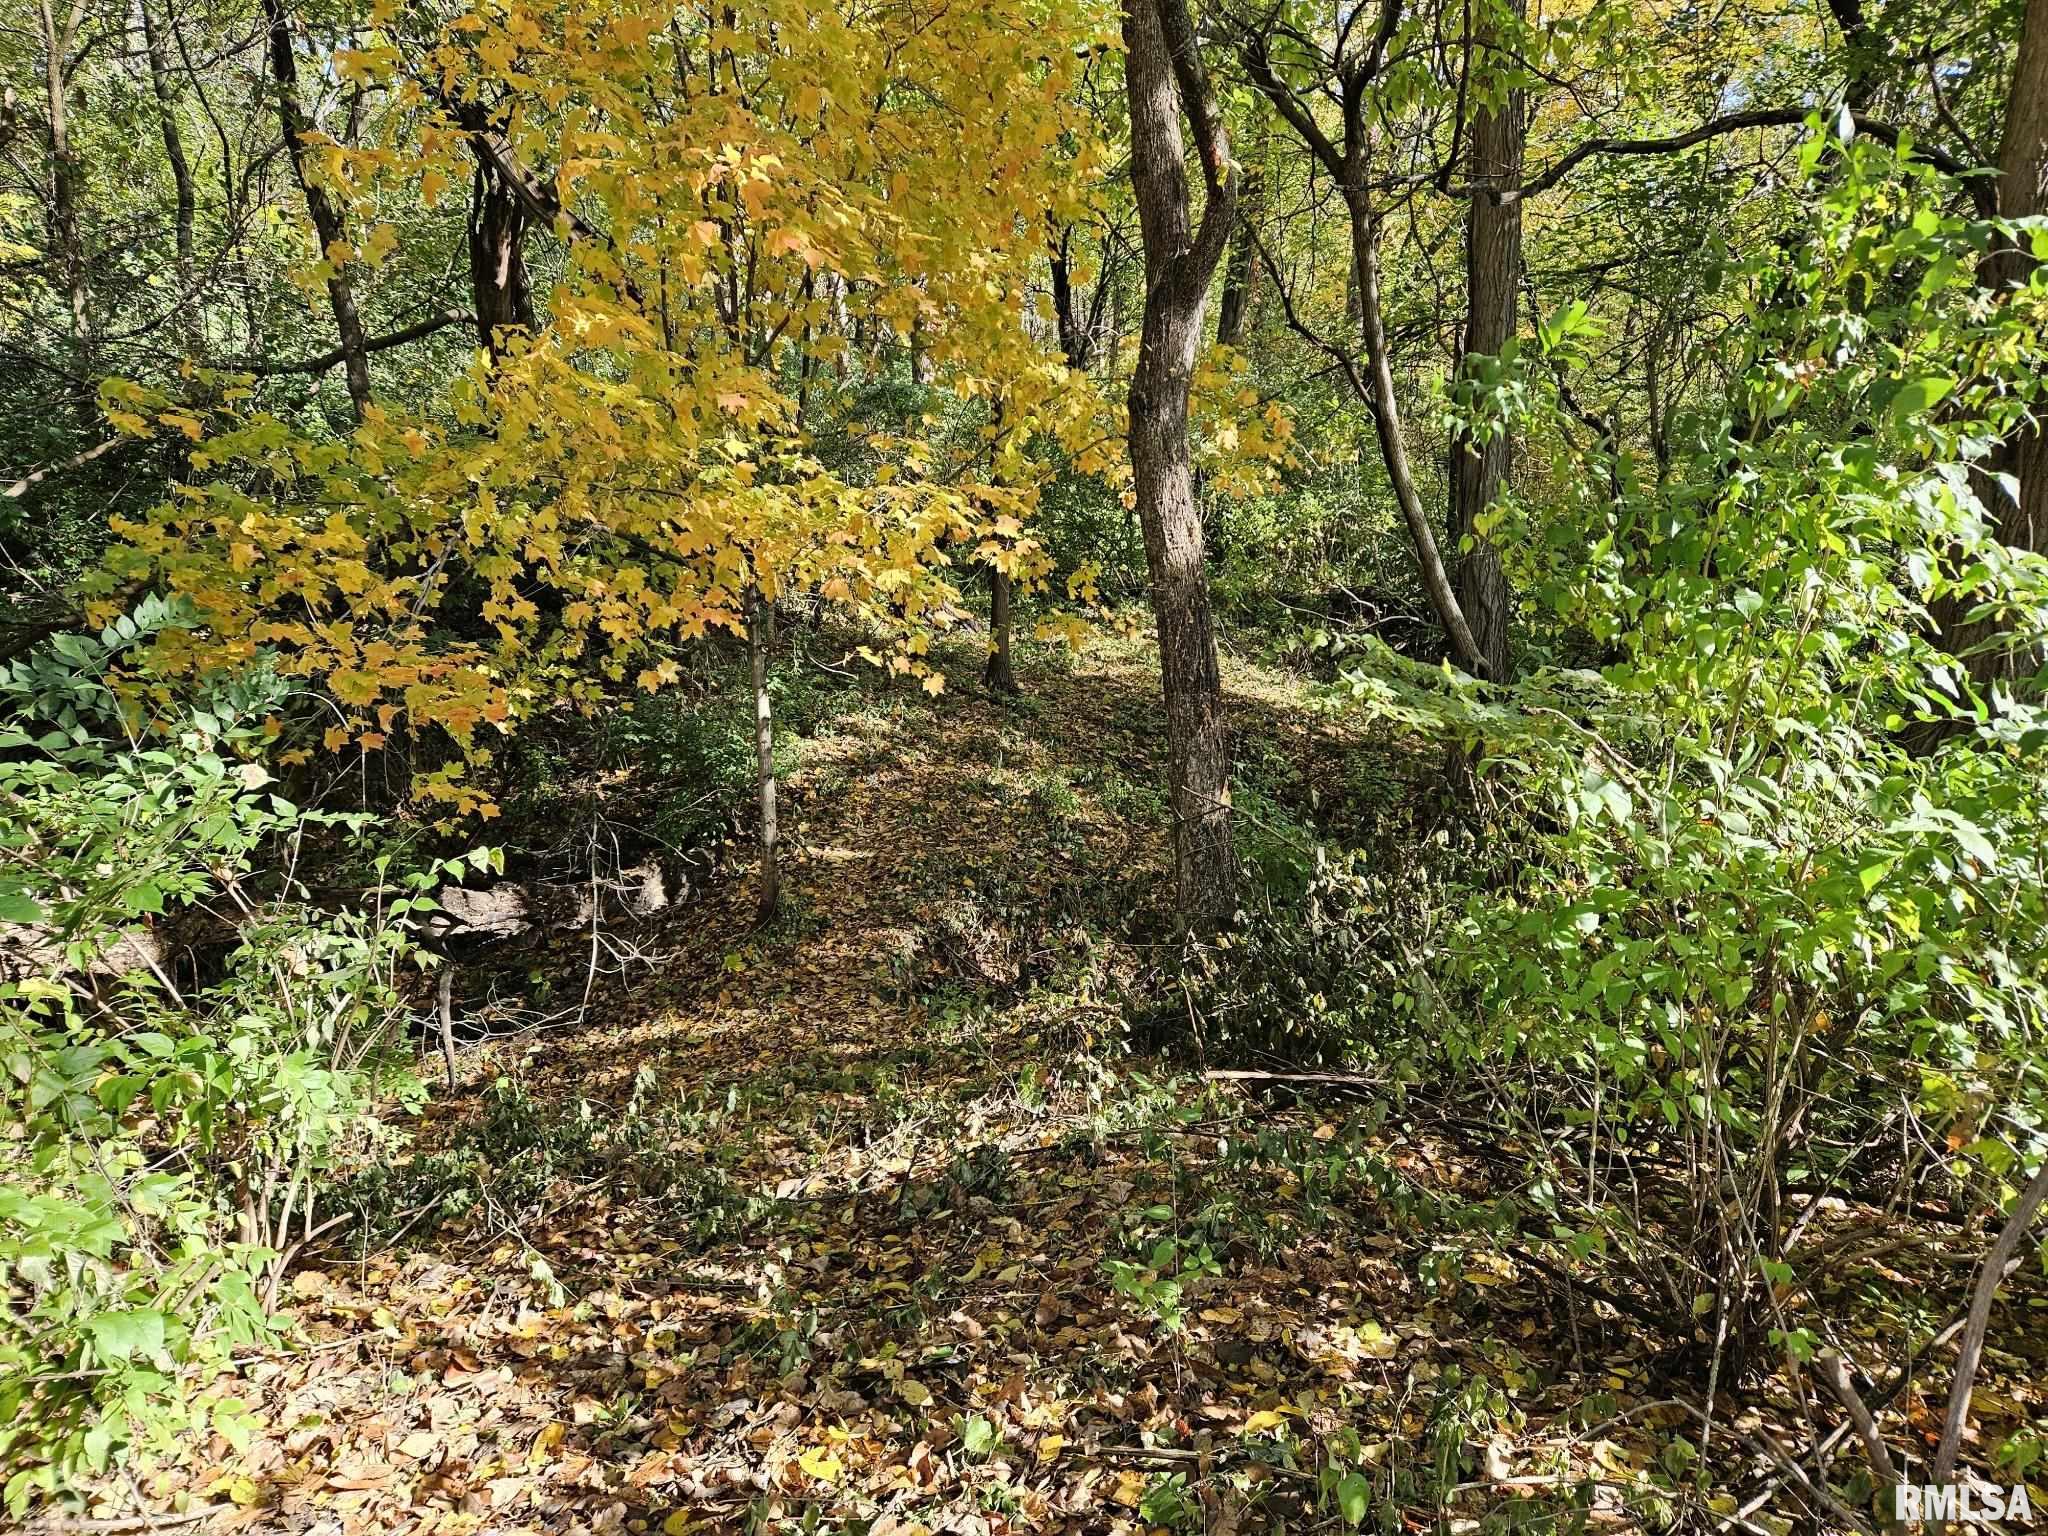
1980,187
24,485
1982,1295
326,360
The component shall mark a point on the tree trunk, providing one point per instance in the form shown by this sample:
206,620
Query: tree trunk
1863,51
1163,74
2023,193
1240,269
503,298
1386,416
1348,166
1493,274
998,674
920,356
328,222
67,236
1241,265
1074,337
181,179
764,756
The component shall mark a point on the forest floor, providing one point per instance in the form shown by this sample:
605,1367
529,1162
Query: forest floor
879,1220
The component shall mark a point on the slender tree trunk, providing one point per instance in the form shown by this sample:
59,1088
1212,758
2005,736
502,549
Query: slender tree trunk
1163,75
920,356
1066,313
67,235
181,179
1864,51
1348,166
764,756
999,674
1386,416
446,992
328,222
1493,276
1241,265
2023,193
1240,268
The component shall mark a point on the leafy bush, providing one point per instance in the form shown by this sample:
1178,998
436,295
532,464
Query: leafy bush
1783,875
167,1144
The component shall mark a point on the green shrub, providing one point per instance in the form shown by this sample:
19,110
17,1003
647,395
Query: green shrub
1785,872
168,1144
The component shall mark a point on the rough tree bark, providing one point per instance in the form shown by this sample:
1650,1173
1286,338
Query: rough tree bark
1493,275
1164,76
328,222
770,895
497,258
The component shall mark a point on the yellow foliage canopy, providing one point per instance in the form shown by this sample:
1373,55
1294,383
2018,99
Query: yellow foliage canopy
743,196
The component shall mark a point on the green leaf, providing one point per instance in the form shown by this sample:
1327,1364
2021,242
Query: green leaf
978,1435
17,908
1917,396
99,1447
1354,1496
124,1335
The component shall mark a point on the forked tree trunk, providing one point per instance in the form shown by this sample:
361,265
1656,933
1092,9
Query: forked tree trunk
1386,416
770,896
1493,274
1163,74
1348,160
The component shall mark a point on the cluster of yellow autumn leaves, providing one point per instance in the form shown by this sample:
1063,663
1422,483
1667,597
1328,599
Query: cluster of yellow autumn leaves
752,187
